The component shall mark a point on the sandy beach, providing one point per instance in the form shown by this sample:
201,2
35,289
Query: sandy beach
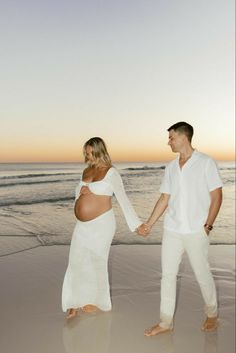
32,320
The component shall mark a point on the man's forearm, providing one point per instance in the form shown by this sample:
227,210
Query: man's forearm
216,201
158,210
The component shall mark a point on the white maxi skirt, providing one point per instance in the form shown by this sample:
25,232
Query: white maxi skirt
86,279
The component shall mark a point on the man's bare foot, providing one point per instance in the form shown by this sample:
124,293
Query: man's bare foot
72,313
89,308
210,324
156,330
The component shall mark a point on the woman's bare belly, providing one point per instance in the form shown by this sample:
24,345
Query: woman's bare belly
90,206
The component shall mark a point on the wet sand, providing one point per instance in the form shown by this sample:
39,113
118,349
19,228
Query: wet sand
32,320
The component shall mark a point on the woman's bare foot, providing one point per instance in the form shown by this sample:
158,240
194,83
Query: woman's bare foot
72,313
156,330
210,324
89,308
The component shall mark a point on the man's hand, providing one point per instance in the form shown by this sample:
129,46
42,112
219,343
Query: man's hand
85,190
206,231
144,229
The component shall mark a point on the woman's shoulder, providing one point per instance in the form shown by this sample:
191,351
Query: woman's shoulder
112,170
113,173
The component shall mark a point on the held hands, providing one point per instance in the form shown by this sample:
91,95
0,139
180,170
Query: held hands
144,229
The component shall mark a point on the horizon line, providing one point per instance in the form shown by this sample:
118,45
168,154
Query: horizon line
114,161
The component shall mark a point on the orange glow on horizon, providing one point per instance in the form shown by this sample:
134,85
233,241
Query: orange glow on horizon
60,155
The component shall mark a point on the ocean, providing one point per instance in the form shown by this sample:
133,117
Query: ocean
37,201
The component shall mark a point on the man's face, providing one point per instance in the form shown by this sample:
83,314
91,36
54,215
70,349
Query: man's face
176,141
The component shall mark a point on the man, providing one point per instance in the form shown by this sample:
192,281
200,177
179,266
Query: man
191,191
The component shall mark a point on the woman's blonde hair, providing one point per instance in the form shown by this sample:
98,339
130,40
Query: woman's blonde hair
99,151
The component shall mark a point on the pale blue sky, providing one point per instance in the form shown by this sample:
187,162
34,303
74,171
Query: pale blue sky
122,70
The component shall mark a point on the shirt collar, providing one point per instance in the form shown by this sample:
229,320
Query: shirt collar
190,161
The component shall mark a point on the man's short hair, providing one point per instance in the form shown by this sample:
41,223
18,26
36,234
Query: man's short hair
183,128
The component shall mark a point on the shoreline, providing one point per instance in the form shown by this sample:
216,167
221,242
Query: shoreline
34,242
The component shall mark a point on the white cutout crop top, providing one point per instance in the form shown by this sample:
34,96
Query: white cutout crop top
109,185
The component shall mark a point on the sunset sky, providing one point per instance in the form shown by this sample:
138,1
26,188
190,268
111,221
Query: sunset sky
124,70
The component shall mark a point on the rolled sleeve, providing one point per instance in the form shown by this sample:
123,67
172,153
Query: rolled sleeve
165,185
213,178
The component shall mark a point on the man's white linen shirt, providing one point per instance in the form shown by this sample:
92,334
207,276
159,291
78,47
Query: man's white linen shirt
189,189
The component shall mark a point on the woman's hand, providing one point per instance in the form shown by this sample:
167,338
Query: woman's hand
85,190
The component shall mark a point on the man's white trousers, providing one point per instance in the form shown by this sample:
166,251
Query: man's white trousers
173,246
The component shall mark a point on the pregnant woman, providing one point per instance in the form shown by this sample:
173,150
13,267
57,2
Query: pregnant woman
86,285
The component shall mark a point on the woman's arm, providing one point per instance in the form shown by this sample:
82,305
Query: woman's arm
118,188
